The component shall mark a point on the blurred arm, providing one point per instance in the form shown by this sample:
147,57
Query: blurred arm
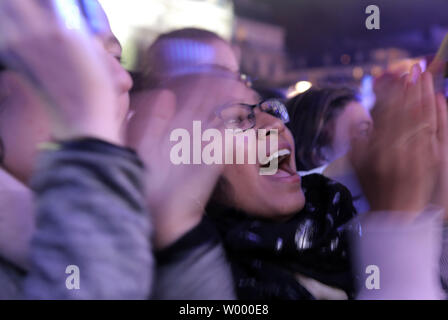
91,214
407,256
195,267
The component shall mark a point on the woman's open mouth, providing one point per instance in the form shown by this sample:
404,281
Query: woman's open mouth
280,160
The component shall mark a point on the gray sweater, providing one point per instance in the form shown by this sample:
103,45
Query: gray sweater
195,268
90,214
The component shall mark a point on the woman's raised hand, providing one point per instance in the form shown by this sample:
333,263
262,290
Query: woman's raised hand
399,164
177,193
65,66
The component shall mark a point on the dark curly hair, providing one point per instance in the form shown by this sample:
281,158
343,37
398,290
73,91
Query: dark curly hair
312,117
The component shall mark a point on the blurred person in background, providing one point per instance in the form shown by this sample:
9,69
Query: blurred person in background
23,122
324,122
89,208
24,125
173,55
181,51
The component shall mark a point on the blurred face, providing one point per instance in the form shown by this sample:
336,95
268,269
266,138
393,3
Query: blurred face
275,197
354,121
112,54
23,121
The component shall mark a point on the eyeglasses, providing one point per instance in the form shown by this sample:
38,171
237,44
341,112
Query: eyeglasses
241,116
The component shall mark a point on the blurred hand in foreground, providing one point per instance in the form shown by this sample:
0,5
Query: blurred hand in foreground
177,194
65,66
398,166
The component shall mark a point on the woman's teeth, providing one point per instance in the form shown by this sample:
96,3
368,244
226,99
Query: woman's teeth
279,154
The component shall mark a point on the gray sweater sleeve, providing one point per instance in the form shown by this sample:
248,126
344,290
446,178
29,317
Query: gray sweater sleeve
11,279
194,268
91,218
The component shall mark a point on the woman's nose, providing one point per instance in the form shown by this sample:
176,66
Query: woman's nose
269,122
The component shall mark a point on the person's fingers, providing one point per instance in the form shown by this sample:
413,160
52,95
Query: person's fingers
28,12
442,119
25,19
423,145
193,99
425,161
412,111
382,82
425,116
162,111
381,88
388,117
9,31
26,16
359,151
22,23
415,73
200,103
151,120
442,129
44,16
212,92
428,105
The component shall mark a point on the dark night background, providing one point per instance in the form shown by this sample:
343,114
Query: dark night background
315,27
